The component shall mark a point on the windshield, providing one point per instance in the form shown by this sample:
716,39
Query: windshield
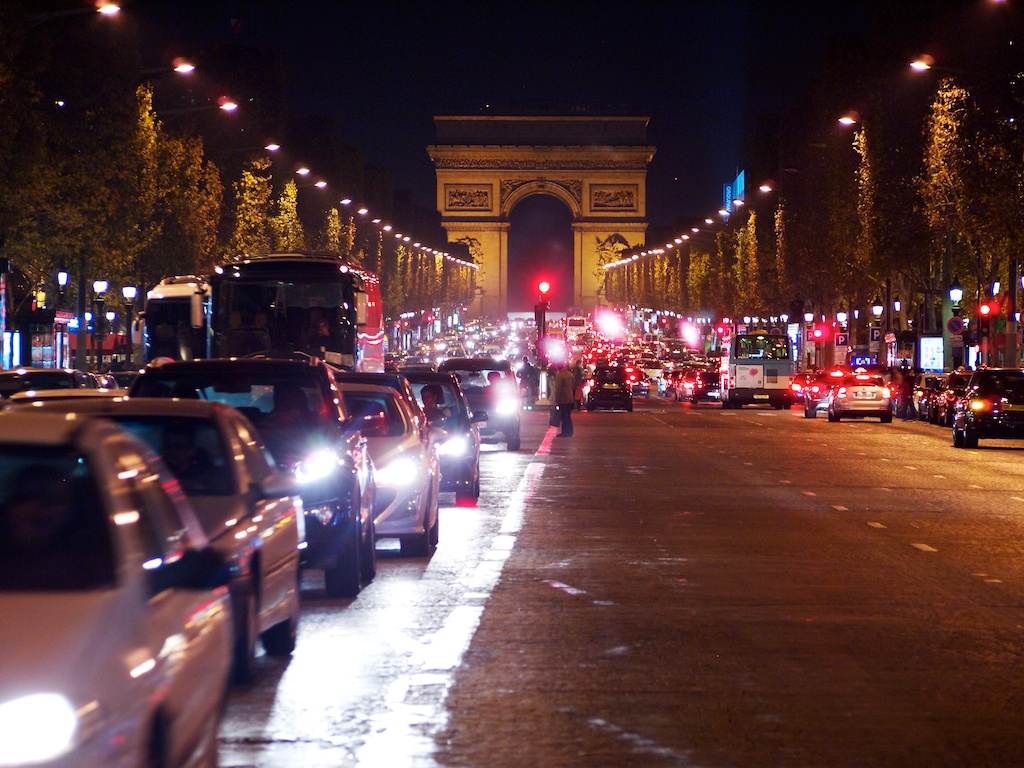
314,316
169,331
763,346
291,411
54,534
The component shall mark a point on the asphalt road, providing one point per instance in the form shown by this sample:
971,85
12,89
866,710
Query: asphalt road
679,586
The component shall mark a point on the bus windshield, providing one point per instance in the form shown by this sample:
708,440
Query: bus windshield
258,315
763,347
169,331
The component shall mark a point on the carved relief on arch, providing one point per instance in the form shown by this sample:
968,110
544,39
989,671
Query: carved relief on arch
572,189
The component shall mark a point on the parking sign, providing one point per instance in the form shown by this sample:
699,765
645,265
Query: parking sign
842,339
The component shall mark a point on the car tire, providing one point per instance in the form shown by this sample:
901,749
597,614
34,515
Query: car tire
368,557
416,546
970,437
887,418
279,640
810,413
590,407
629,408
832,416
435,532
958,439
343,580
512,442
243,658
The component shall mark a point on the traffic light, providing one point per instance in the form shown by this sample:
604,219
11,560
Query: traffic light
820,332
544,288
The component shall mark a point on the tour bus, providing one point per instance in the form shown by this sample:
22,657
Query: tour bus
756,368
174,319
313,302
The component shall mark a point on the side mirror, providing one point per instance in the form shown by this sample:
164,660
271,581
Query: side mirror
195,569
478,416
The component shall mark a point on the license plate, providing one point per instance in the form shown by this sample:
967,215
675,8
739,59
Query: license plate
865,396
1013,407
610,386
760,397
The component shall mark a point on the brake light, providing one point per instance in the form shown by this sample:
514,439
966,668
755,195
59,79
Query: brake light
795,386
886,392
815,389
841,392
981,404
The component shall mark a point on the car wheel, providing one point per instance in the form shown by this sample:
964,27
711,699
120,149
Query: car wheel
512,442
417,546
970,437
435,532
629,408
368,557
243,666
590,407
279,640
958,438
810,413
887,418
343,579
832,415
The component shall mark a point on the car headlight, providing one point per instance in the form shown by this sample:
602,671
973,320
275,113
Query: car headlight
453,446
400,471
36,728
316,466
507,406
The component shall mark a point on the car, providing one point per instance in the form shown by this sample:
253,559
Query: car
405,463
115,618
924,393
250,510
638,381
700,384
860,394
992,407
460,453
798,383
817,389
953,388
296,407
610,388
38,379
491,387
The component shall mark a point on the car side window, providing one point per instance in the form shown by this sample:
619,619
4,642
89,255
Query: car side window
258,461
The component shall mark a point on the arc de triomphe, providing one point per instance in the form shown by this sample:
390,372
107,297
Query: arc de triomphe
597,166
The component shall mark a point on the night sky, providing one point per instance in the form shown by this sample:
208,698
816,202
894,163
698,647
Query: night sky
702,71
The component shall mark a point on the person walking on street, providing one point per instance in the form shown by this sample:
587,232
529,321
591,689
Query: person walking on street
528,380
565,398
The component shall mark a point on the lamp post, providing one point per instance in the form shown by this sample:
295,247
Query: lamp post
62,286
130,293
99,289
956,340
875,343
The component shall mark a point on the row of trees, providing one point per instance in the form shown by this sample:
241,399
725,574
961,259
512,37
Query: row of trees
99,184
925,187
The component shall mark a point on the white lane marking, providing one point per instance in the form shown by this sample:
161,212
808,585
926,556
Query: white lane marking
1017,498
939,477
840,508
565,587
876,525
809,493
907,466
975,487
924,548
785,482
993,581
882,458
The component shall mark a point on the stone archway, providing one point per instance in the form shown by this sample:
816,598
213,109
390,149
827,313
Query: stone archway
597,166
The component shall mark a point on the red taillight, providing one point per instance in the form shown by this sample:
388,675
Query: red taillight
841,392
815,389
886,392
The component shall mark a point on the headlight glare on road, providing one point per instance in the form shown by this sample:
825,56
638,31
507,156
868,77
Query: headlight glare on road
400,471
36,728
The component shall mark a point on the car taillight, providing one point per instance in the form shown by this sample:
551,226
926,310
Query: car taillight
886,392
815,389
841,392
986,404
795,386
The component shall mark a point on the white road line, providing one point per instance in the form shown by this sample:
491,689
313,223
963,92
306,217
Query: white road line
924,548
876,525
809,493
840,508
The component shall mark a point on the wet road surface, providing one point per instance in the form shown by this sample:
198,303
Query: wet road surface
680,586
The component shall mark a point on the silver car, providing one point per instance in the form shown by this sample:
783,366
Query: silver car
858,395
250,510
404,454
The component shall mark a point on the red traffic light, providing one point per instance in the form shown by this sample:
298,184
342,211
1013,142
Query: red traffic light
820,332
544,286
987,309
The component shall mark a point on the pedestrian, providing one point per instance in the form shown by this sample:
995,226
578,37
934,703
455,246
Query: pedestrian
528,380
577,374
565,398
907,383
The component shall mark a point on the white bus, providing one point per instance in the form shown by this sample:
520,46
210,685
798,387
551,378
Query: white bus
756,368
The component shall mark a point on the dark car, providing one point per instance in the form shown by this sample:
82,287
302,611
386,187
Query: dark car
32,379
924,394
799,383
460,453
491,387
816,390
992,407
295,405
393,379
953,388
700,384
610,388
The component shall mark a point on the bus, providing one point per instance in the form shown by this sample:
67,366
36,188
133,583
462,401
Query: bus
174,319
312,302
756,368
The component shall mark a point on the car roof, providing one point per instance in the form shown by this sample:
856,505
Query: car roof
42,395
25,426
133,406
475,364
434,377
358,386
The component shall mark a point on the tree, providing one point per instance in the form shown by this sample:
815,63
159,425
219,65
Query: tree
286,229
252,195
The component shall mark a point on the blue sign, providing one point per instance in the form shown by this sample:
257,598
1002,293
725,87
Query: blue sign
842,339
876,334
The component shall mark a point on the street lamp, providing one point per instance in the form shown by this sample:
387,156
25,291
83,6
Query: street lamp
956,293
99,289
130,293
